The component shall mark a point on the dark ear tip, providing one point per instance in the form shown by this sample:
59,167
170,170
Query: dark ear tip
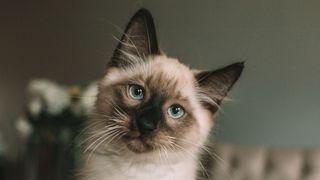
143,12
238,67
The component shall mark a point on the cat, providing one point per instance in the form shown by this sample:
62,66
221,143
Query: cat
153,115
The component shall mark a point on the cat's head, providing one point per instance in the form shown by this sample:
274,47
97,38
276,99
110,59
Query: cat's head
148,101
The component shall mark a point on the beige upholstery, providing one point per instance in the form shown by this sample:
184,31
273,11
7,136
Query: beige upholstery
256,163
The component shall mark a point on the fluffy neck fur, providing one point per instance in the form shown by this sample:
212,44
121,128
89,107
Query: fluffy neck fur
112,166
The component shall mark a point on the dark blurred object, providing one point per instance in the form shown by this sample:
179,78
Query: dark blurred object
49,130
52,146
2,168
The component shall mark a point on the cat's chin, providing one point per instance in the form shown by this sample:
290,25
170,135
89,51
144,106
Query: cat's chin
138,145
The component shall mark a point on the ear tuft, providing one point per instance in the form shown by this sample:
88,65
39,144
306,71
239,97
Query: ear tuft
216,84
138,41
144,18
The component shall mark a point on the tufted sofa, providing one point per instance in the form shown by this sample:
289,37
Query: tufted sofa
233,162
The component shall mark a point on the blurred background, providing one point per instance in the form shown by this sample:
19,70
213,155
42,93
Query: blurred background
275,103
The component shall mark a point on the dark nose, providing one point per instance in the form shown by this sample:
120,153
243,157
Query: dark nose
148,120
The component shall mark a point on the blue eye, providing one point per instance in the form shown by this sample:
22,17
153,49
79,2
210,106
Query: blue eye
136,92
176,111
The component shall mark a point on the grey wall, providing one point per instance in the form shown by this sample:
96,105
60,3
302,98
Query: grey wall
276,102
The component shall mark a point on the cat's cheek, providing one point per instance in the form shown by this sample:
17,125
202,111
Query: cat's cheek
185,128
176,123
129,102
206,123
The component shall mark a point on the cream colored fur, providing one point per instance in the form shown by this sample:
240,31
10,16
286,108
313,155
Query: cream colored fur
107,164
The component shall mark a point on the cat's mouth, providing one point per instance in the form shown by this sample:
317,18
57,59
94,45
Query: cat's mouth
138,144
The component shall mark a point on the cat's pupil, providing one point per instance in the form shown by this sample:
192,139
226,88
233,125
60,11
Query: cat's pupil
138,91
176,109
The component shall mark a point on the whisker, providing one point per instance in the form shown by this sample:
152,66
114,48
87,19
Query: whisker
103,136
194,158
212,154
127,36
110,137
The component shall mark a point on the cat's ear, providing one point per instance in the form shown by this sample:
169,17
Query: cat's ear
214,85
138,41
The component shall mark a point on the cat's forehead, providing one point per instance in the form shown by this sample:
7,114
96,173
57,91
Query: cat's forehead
170,75
170,70
158,73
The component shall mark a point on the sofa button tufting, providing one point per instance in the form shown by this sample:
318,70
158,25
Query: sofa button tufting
234,163
269,166
305,170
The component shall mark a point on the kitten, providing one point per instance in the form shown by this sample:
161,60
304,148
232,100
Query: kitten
153,115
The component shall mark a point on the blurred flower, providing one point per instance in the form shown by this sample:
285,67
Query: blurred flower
74,91
89,96
45,94
24,128
35,106
75,94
